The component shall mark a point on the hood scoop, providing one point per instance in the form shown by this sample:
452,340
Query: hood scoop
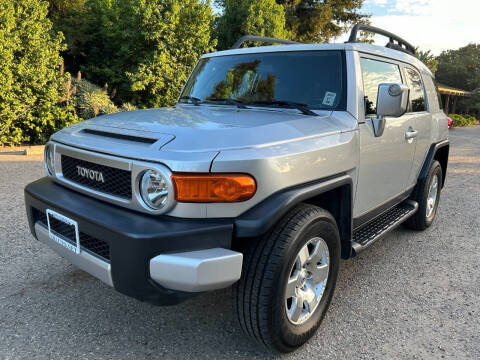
113,140
112,135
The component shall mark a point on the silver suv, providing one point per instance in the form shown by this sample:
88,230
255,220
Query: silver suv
276,162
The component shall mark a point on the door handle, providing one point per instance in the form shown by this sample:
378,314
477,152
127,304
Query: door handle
411,134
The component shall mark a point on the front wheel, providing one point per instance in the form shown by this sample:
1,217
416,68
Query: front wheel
288,279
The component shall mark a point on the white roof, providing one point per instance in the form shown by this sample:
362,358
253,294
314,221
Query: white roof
361,47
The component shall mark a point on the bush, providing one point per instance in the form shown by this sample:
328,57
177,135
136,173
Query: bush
32,101
143,49
128,107
91,101
462,120
470,118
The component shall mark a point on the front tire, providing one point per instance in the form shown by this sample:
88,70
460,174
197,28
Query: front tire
427,194
288,279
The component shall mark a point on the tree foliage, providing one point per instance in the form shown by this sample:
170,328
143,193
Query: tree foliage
428,59
460,68
31,84
174,34
320,20
470,104
143,49
254,17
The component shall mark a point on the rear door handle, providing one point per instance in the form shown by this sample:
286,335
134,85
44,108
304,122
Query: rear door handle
411,134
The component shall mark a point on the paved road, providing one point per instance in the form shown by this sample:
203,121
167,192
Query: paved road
413,295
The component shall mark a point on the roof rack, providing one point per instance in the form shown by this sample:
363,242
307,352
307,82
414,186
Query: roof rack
246,38
401,44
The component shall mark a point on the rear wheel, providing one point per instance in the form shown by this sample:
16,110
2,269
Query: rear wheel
288,279
427,195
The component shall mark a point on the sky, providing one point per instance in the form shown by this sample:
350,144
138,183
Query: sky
434,25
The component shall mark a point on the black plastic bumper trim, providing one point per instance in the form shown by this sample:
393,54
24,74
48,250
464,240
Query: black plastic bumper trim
134,238
261,217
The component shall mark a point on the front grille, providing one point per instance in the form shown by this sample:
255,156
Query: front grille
95,246
116,182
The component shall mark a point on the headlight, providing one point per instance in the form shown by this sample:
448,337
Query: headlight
49,159
154,189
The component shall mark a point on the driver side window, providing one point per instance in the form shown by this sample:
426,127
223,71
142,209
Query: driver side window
375,72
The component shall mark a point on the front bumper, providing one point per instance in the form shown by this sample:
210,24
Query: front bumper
157,259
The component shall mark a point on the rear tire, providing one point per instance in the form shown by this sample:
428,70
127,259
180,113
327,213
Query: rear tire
427,194
273,270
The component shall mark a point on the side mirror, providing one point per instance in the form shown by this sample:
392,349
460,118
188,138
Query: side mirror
392,101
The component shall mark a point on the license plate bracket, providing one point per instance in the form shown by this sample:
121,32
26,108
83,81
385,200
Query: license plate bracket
59,238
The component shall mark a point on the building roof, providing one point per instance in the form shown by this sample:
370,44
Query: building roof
448,90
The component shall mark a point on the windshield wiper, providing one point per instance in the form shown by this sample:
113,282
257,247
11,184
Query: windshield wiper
302,107
196,101
237,103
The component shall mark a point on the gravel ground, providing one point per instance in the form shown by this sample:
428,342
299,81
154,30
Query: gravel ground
412,295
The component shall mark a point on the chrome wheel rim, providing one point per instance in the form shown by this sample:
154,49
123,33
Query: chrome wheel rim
432,196
307,281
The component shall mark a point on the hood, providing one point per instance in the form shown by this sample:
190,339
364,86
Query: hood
188,137
208,128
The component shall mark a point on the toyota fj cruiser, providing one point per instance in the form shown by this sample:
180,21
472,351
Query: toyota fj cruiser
276,162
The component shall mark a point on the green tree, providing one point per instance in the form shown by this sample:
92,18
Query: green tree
460,68
174,34
253,17
428,59
315,21
103,40
143,49
79,22
31,83
470,104
57,8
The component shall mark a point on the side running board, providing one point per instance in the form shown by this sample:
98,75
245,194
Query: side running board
374,230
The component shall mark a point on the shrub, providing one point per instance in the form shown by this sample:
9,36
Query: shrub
462,120
143,49
128,107
32,101
91,100
172,35
470,118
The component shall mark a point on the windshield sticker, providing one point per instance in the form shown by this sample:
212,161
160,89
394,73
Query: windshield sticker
329,98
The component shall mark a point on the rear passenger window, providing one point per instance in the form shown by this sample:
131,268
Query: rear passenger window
374,73
417,93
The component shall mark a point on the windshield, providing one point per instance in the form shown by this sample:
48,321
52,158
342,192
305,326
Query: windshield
313,78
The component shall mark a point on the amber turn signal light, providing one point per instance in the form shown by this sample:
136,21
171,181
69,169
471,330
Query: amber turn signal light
213,187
